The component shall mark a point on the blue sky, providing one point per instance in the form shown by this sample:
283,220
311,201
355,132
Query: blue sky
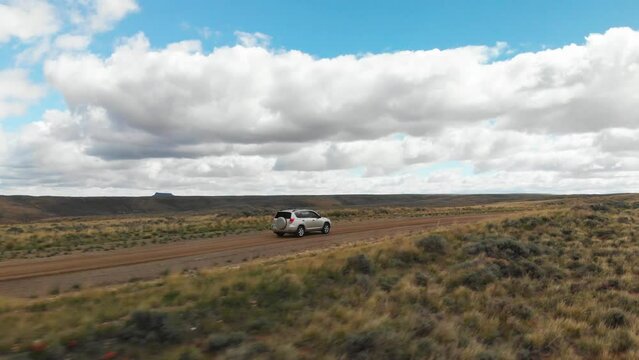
332,27
260,116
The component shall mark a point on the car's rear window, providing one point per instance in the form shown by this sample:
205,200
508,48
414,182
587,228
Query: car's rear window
284,214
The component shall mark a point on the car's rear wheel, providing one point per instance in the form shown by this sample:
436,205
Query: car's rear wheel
326,228
300,231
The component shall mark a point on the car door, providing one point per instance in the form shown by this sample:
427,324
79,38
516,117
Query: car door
315,220
307,220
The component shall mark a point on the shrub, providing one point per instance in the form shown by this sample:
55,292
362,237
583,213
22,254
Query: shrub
276,292
521,311
421,279
359,343
520,268
426,347
386,283
151,327
45,351
581,270
526,223
359,264
249,351
365,283
589,348
600,207
15,230
622,342
541,345
170,296
606,233
623,220
477,279
610,284
260,324
217,342
433,244
504,248
487,355
619,204
425,327
190,354
615,318
402,259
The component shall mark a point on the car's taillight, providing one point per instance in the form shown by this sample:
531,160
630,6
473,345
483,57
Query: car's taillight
292,219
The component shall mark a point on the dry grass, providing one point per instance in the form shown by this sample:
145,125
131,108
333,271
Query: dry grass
65,236
556,285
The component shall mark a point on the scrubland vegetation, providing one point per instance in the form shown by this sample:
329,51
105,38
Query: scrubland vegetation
562,284
64,236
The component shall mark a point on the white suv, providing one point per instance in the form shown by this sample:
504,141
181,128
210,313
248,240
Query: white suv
299,222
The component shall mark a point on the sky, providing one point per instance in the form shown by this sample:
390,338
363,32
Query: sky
126,97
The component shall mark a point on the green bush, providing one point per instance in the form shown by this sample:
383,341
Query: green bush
217,342
359,344
386,283
615,318
402,259
521,311
365,283
433,244
275,292
260,324
190,354
521,268
487,355
421,279
504,248
358,264
146,326
622,341
477,279
424,327
600,207
526,223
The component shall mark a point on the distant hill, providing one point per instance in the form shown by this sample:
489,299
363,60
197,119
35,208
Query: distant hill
30,208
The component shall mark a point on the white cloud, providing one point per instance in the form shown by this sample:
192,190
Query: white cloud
34,53
253,95
17,92
27,19
72,42
105,13
248,119
71,25
256,39
619,141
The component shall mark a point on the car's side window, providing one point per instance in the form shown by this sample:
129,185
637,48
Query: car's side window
300,214
314,215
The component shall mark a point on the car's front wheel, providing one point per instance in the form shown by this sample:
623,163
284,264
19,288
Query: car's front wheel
326,228
300,231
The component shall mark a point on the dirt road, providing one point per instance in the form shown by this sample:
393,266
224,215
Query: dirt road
29,277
